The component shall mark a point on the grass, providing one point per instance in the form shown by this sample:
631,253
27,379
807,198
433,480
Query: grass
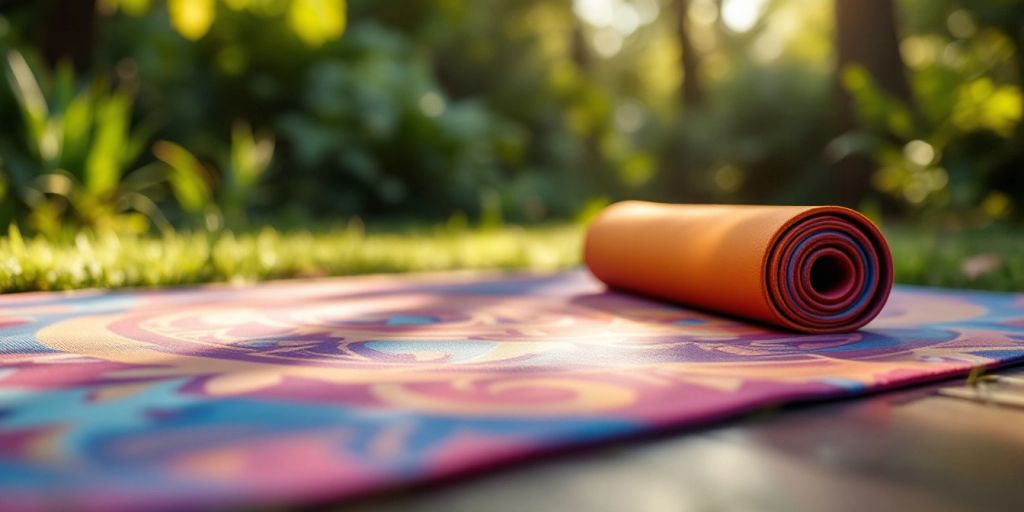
111,261
986,259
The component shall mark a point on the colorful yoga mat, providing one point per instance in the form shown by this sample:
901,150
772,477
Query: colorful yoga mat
304,391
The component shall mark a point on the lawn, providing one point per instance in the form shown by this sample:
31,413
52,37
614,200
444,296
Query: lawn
110,261
984,259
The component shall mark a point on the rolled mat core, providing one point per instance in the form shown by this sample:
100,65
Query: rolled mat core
815,269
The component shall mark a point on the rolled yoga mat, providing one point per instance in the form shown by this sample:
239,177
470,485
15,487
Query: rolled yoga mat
821,269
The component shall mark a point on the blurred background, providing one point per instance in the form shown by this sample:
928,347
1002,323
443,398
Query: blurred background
309,130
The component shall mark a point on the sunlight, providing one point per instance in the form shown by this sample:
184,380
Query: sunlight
741,15
607,42
599,13
615,20
622,15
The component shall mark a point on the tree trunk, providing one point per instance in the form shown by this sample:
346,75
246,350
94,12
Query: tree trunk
692,92
70,33
865,35
578,50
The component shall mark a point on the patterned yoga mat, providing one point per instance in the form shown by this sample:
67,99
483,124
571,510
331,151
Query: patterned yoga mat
304,391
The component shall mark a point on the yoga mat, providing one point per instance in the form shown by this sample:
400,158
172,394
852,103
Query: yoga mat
305,391
822,269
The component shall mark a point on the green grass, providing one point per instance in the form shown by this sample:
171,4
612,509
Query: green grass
985,259
110,261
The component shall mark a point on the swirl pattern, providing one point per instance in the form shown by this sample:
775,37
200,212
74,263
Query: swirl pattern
829,272
305,390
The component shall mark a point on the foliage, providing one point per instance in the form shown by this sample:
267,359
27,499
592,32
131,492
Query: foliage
75,160
78,164
242,172
313,21
108,260
498,110
957,146
736,136
982,258
185,175
244,168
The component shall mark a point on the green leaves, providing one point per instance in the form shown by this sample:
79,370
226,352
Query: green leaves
78,124
77,169
250,156
35,112
107,156
876,108
191,18
185,176
984,105
317,21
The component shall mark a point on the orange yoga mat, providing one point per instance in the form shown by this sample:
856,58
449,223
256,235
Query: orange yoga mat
815,269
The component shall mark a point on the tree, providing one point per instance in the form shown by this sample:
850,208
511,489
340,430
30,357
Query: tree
865,35
70,32
692,92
